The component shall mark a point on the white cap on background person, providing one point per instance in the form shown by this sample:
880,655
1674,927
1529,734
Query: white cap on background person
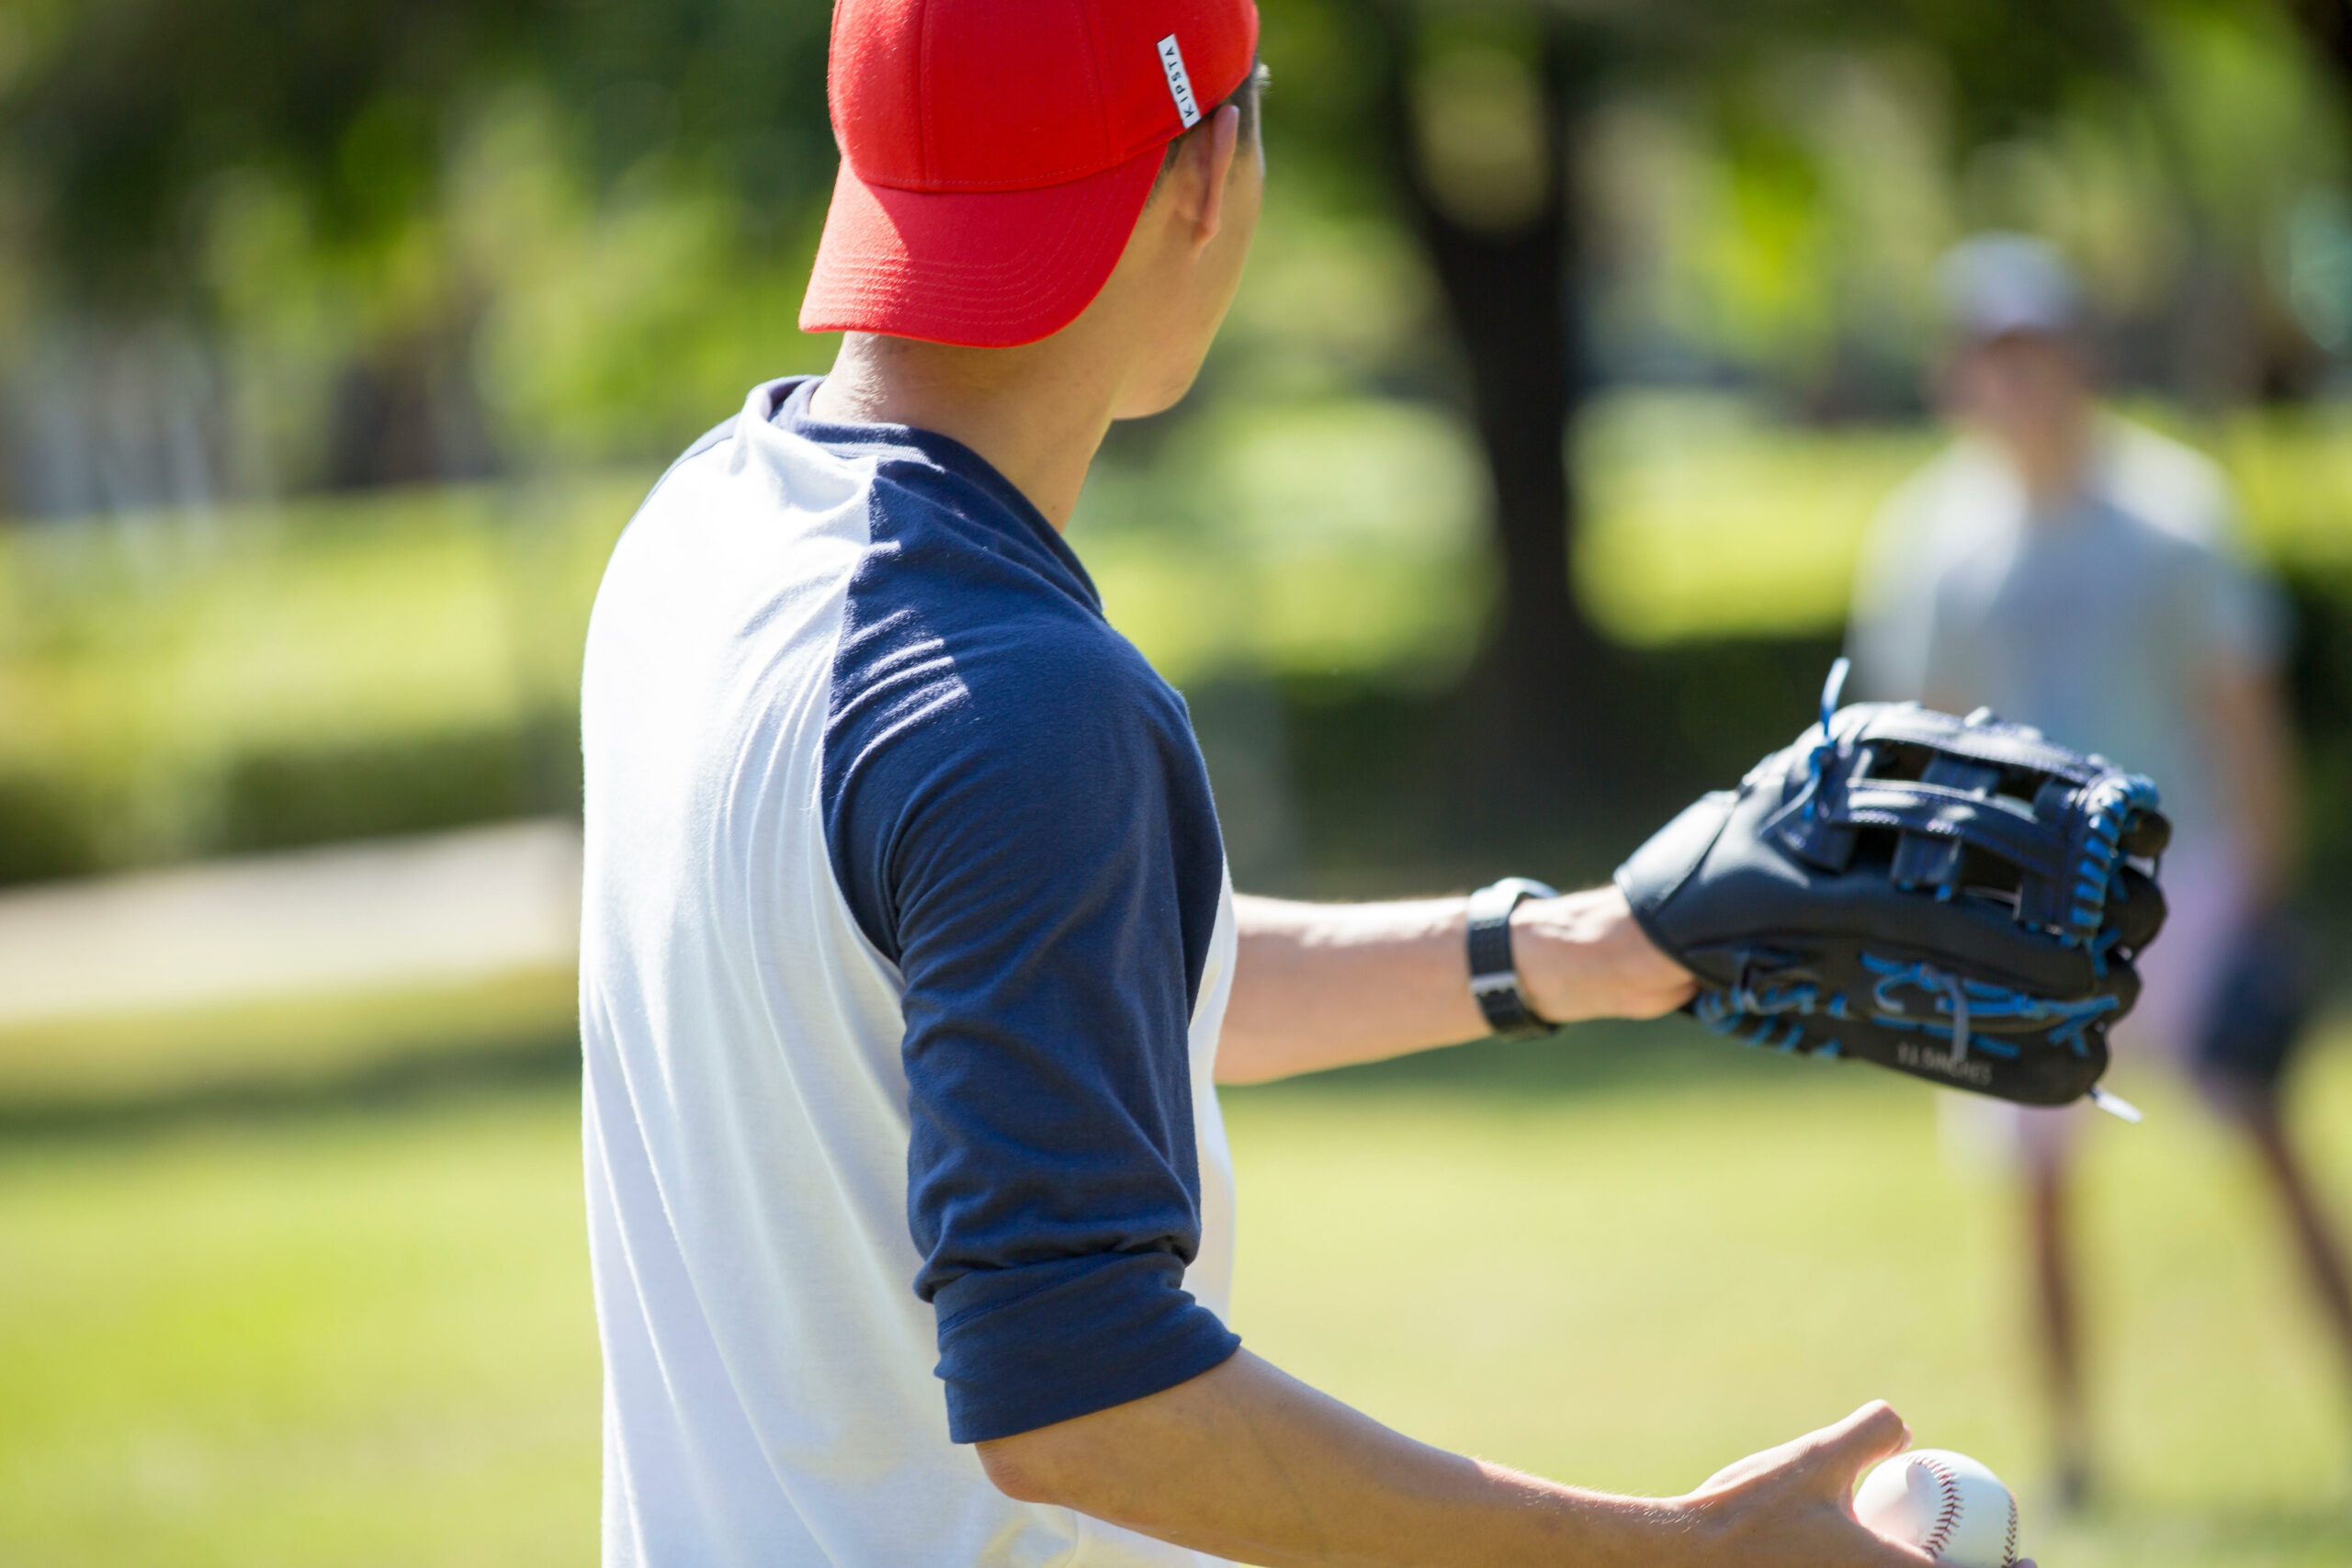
1995,284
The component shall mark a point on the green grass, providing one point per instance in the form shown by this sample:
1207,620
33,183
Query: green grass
359,1339
1629,1278
345,1338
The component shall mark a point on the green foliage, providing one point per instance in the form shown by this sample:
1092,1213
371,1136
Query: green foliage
577,230
126,109
691,287
44,830
278,676
2014,65
1338,536
556,229
131,106
185,685
319,793
1778,209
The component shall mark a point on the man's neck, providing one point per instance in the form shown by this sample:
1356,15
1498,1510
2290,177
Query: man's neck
2053,464
1036,413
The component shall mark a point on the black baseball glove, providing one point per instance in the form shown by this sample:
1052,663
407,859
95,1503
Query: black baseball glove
1959,899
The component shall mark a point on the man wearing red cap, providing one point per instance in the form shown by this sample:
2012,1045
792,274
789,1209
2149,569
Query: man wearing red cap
909,959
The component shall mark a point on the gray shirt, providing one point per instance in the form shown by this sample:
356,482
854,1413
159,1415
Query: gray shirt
2096,624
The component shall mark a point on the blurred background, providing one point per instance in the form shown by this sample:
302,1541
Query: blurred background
1519,501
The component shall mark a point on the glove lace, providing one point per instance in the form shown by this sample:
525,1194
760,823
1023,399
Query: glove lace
1831,688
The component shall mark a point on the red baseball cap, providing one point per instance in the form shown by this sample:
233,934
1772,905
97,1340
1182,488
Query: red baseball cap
996,154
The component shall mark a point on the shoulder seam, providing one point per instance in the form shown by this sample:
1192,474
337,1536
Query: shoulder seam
709,439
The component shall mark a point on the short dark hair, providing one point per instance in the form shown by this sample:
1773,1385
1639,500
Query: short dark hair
1244,97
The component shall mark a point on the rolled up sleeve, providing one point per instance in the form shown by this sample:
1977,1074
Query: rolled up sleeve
1048,887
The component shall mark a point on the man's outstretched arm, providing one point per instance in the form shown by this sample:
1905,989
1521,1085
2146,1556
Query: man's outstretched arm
1246,1463
1325,984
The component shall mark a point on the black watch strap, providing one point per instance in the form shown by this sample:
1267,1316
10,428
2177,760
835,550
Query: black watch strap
1494,979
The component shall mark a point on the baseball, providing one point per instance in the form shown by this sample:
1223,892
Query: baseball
1945,1504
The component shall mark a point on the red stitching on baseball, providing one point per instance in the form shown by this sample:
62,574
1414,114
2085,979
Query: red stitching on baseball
2009,1551
1948,1516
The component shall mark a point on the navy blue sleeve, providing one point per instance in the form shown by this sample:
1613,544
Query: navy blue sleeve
1020,820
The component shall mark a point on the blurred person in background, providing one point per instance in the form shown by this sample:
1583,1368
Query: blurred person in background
2076,571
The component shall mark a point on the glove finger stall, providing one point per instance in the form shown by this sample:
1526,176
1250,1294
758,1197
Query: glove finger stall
1955,899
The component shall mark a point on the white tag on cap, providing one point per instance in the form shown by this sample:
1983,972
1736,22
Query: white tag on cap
1180,85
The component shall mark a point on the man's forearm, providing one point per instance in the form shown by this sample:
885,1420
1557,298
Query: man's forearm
1247,1462
1325,984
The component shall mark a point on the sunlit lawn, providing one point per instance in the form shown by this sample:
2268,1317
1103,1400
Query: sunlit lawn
363,1336
354,1340
1629,1279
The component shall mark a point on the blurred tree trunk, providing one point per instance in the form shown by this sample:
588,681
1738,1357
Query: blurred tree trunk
408,409
2328,25
1533,699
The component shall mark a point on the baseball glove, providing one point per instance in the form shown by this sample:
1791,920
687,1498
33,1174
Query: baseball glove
1958,899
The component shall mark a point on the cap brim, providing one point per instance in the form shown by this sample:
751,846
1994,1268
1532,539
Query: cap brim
985,269
1991,325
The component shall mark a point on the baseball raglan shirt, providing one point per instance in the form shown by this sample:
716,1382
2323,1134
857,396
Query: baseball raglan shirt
906,941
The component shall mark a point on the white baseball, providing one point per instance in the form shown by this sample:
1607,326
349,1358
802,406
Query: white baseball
1945,1504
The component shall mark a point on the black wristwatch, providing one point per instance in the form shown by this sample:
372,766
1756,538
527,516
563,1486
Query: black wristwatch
1494,979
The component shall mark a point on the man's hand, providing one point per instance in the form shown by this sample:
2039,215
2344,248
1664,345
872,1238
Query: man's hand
1793,1506
1582,956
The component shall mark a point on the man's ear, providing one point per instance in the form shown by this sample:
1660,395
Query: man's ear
1201,171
